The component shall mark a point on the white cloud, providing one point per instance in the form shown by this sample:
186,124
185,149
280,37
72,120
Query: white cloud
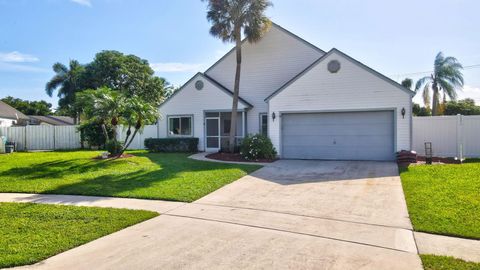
175,67
17,57
86,3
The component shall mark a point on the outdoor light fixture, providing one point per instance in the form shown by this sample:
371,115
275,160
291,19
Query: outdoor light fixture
403,112
273,116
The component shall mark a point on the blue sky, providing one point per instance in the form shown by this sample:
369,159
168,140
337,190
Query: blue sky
397,38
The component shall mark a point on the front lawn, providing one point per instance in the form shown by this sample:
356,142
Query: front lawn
172,177
444,199
431,262
33,232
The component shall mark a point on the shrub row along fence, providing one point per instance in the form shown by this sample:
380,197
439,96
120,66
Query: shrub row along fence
42,137
451,136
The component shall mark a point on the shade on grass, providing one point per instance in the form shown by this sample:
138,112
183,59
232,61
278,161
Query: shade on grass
444,199
150,176
431,262
34,232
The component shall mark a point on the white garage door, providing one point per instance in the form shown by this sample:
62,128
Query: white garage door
338,136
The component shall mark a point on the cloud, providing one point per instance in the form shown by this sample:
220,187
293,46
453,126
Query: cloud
17,57
86,3
470,92
10,67
175,67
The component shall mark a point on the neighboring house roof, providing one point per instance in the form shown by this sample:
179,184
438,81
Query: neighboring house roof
7,111
358,63
53,120
273,25
212,81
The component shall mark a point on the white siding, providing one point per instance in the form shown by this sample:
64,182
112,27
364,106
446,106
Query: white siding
266,66
352,88
190,101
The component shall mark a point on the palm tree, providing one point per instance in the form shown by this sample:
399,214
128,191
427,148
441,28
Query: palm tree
67,81
447,77
228,19
407,83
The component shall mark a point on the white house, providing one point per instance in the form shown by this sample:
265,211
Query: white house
10,116
311,103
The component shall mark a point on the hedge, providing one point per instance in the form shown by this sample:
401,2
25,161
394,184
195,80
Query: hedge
187,145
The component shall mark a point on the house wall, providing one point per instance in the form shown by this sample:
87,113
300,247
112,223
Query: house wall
352,88
190,101
5,122
266,66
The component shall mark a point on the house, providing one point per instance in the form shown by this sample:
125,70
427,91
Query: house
51,120
10,116
312,104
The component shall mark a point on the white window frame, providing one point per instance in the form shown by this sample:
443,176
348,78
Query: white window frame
260,116
180,116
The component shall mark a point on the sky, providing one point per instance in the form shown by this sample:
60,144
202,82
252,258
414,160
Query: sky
397,38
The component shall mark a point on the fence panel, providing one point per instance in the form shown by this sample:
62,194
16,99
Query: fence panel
138,142
471,135
16,134
40,137
67,137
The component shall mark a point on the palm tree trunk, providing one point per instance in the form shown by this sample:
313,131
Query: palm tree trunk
236,91
105,133
128,144
435,100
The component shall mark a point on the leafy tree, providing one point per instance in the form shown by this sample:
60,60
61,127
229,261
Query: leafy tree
128,74
407,83
447,77
67,81
463,107
421,111
228,19
29,107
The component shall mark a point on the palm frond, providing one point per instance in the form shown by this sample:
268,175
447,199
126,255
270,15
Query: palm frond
54,83
426,95
421,82
59,68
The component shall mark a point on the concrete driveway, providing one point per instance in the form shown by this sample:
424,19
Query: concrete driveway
291,214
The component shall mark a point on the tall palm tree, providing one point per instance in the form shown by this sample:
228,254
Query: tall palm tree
228,19
68,82
446,78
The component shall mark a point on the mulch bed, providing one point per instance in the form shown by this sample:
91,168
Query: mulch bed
236,157
114,157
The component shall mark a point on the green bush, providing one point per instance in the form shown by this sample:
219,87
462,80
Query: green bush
92,133
114,147
255,147
170,145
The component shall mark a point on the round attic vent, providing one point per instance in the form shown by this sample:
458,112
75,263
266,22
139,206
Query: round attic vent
333,66
199,85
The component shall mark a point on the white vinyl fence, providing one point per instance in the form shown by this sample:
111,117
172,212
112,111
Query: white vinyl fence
43,137
451,136
150,131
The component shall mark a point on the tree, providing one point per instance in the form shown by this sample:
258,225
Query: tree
68,81
128,74
407,83
446,78
228,19
418,110
463,107
29,107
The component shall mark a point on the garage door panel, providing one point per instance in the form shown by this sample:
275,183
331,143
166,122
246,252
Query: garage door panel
349,136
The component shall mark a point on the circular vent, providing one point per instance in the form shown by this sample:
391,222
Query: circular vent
333,66
199,85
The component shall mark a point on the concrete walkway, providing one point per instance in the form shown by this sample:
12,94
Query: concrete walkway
202,157
136,204
465,249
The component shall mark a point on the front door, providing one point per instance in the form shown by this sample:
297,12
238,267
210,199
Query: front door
212,134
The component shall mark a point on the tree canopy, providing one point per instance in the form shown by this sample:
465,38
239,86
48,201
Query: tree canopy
29,107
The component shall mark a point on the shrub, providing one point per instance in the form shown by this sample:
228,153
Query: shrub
92,133
114,147
186,145
256,147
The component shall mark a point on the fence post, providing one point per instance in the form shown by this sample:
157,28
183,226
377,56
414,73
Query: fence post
460,141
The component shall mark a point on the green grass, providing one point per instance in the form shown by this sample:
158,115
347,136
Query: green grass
444,199
431,262
149,176
34,232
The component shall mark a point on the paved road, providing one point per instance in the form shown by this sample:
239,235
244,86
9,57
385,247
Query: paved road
288,215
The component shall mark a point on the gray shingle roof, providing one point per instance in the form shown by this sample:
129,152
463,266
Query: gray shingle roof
7,111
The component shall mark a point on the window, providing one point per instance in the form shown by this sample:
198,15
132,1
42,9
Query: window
180,126
264,124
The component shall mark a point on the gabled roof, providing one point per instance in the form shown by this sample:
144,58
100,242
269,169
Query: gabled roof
212,81
351,59
7,111
53,120
281,29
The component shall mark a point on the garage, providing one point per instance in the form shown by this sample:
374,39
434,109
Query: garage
359,135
